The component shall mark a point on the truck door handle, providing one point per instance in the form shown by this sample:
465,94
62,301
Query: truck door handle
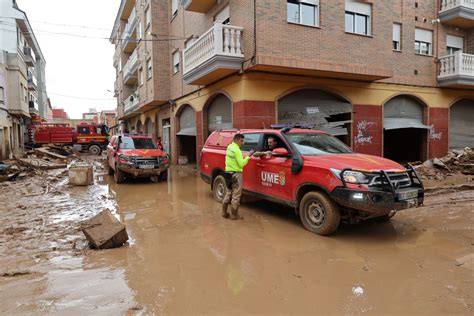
260,165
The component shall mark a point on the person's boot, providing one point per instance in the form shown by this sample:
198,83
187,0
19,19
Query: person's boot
225,213
235,214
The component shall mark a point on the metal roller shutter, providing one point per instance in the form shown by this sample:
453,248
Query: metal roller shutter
219,114
187,122
403,112
325,111
461,124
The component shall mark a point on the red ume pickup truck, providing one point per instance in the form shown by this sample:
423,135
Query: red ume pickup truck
317,175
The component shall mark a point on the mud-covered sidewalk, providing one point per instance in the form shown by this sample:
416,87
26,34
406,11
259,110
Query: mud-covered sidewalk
183,258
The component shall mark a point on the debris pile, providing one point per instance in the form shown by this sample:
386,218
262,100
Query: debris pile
455,162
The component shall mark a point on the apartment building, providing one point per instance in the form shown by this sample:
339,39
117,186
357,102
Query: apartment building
22,83
389,78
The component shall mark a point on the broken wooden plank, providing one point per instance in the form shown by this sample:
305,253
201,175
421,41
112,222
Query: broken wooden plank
40,163
104,231
44,151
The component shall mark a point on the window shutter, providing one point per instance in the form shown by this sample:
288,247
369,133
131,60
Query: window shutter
358,7
423,35
396,32
455,41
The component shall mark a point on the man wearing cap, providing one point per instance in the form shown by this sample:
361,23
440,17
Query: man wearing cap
234,166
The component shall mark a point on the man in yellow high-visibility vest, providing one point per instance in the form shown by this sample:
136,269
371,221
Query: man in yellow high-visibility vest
234,166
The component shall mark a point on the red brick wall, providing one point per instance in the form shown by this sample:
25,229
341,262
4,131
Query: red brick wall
367,129
254,114
438,135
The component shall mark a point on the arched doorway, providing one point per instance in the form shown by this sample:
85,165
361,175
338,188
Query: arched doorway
219,113
149,127
319,109
405,133
461,124
187,134
139,129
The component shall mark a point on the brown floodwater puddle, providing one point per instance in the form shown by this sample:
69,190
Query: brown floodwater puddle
183,258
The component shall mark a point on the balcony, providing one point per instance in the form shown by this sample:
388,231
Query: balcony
458,13
214,55
130,69
32,83
33,107
129,33
131,104
201,6
456,70
29,56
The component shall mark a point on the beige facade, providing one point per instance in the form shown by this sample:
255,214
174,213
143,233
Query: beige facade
265,50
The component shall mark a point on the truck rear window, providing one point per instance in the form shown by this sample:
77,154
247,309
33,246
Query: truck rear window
313,144
137,143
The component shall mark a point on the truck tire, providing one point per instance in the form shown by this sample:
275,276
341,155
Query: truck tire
319,214
164,176
119,176
95,150
219,188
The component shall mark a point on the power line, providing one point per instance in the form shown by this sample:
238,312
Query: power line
75,97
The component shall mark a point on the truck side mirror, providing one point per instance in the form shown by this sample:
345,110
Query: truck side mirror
280,152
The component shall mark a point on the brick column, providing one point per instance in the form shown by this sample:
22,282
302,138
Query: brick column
438,134
367,129
253,114
199,136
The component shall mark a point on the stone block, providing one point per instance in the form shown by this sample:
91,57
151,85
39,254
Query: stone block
104,231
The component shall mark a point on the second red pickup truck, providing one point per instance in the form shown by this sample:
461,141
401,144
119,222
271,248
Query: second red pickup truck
317,175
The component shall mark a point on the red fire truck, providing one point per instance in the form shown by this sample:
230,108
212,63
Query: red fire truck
86,137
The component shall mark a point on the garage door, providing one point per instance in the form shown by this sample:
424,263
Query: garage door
187,122
461,124
320,109
403,112
219,114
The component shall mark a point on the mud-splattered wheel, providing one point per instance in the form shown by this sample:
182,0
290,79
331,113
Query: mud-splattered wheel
219,188
119,176
95,150
319,214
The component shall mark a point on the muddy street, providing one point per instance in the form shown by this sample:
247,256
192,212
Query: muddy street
184,258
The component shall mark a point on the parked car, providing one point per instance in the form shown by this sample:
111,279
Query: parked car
135,156
317,175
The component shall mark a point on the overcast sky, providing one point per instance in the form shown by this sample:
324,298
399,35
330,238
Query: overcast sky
80,67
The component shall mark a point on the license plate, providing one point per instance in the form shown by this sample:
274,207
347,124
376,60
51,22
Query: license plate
147,166
408,195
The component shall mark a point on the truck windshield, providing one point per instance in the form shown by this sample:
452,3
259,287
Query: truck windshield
315,144
136,143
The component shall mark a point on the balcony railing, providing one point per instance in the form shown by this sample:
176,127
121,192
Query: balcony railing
452,4
131,103
29,56
128,34
457,13
456,69
130,69
218,48
32,82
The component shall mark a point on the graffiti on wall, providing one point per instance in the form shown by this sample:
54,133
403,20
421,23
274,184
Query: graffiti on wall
362,137
435,135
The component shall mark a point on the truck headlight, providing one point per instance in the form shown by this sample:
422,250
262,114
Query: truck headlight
124,158
352,176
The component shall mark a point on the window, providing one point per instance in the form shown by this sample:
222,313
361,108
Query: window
357,17
84,130
223,16
396,36
176,62
423,40
2,95
147,16
454,44
174,7
141,81
252,141
139,30
303,12
149,69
